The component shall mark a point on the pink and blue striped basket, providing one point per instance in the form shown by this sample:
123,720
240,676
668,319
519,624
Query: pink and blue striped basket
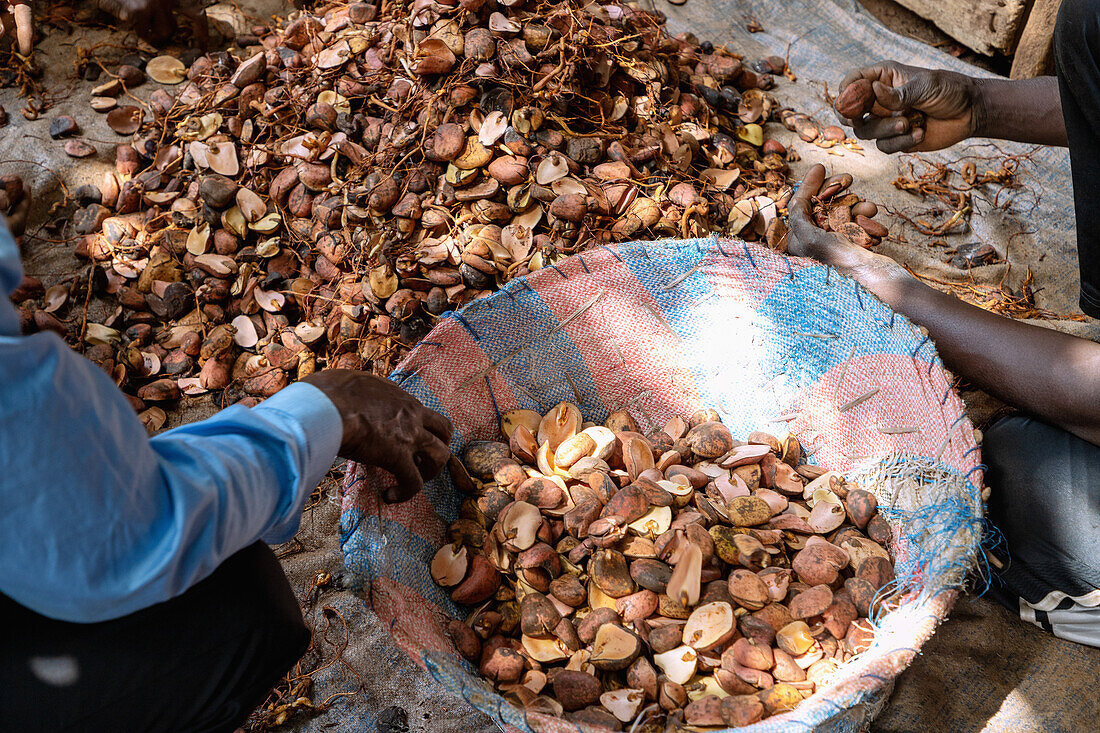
662,329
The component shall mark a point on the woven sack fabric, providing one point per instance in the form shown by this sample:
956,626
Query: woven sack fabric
662,329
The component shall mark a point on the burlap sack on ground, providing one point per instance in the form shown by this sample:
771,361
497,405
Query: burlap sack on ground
662,329
985,670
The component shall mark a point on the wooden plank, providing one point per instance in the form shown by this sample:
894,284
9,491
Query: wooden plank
986,26
1035,52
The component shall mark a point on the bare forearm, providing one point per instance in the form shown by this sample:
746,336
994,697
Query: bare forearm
1049,374
1026,110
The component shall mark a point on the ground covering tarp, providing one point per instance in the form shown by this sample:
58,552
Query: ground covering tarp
982,669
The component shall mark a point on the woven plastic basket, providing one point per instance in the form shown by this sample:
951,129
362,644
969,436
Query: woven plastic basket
662,329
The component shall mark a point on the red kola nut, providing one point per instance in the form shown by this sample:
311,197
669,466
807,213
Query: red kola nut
772,145
856,99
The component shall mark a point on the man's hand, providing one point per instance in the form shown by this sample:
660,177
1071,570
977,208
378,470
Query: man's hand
807,240
951,104
386,427
150,19
154,20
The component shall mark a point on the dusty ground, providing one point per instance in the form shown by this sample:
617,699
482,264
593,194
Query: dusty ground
388,678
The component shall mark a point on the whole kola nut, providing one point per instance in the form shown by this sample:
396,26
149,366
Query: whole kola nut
771,145
671,695
63,126
538,617
834,185
384,195
502,663
748,653
866,209
300,200
482,581
282,184
510,170
314,176
701,416
856,99
447,142
465,639
576,689
878,529
463,94
741,710
131,76
872,227
706,711
748,590
570,207
322,116
217,191
861,506
127,160
710,439
79,149
779,698
408,206
569,590
362,12
812,602
664,638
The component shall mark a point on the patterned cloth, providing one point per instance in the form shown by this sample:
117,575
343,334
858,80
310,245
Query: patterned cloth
662,329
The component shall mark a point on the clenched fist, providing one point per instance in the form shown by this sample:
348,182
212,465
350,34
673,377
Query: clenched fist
949,101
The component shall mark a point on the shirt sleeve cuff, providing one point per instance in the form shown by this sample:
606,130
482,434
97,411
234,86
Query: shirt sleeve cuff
323,431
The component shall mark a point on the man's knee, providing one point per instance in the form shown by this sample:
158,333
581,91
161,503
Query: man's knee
1041,478
264,631
289,632
1016,449
1004,440
266,603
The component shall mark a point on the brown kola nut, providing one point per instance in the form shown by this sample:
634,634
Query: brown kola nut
631,583
856,99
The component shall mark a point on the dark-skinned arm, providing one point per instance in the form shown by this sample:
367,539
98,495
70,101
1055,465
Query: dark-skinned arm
955,107
1021,110
1049,374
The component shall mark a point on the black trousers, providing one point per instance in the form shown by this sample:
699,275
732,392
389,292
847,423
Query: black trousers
1045,500
199,662
1077,61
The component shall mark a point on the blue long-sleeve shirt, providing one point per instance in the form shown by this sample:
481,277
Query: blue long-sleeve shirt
97,520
